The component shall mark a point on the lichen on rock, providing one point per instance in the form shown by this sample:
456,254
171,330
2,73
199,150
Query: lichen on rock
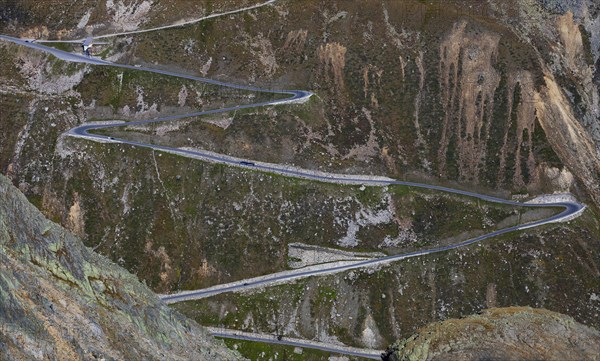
512,333
60,300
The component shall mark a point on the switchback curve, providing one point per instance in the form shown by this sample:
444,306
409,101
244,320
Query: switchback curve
571,208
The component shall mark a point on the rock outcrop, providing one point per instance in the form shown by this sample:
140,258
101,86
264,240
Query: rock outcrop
61,301
512,333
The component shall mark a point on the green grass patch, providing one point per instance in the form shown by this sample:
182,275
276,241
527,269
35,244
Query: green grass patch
257,351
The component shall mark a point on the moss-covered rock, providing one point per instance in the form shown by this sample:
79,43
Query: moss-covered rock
59,300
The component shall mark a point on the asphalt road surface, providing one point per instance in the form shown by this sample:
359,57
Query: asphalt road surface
295,342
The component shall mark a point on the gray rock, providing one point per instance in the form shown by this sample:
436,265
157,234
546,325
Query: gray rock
511,333
61,301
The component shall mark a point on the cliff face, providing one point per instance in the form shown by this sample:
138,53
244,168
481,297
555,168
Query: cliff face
565,36
514,333
61,301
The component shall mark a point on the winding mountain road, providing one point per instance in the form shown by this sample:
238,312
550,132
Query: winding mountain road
570,208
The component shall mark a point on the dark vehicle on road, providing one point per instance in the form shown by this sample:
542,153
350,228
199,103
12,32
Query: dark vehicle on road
249,164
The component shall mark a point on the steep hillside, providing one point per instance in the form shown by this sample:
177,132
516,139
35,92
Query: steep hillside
566,36
514,333
407,88
61,301
78,18
500,97
557,268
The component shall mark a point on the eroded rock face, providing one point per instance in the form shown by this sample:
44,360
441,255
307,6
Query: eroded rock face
468,82
333,60
61,301
565,34
512,333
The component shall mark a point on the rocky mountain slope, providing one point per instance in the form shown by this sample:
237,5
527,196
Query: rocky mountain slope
78,18
61,301
514,333
413,87
374,307
494,96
